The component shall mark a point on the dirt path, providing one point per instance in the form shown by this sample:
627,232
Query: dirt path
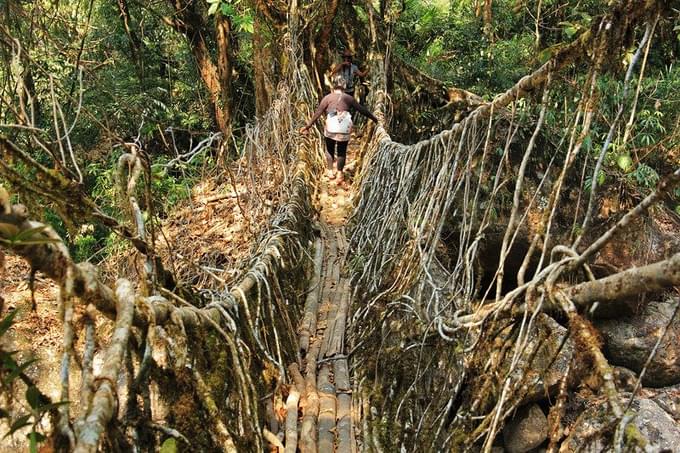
323,387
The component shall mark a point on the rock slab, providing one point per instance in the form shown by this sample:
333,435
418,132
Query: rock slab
526,430
589,434
629,342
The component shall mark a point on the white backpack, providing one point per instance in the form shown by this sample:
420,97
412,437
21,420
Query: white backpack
339,122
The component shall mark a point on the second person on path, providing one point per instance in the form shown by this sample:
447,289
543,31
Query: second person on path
338,126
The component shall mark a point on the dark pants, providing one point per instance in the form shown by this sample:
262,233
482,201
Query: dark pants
341,149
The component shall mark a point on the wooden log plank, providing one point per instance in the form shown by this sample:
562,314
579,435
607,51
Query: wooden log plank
336,342
310,411
332,276
344,406
292,420
297,391
327,409
308,326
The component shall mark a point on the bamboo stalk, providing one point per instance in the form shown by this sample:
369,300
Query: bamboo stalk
344,406
336,342
310,412
312,303
327,409
332,289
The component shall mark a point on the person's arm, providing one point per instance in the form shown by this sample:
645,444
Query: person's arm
336,68
319,111
363,110
361,73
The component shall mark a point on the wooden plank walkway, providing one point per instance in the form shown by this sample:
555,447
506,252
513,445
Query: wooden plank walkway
326,424
319,406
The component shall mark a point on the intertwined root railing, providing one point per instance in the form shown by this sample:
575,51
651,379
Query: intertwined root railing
429,216
208,364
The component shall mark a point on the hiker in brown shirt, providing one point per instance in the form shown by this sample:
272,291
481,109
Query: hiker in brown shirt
338,126
348,70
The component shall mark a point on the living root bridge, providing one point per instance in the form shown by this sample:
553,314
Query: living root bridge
427,332
277,265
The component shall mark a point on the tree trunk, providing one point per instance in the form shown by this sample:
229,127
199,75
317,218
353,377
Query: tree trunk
211,79
488,29
224,68
191,24
134,41
262,56
324,37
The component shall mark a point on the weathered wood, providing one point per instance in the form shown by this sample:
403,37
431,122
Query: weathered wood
272,439
327,409
344,406
294,399
104,401
331,291
638,280
292,420
298,380
336,343
308,325
310,411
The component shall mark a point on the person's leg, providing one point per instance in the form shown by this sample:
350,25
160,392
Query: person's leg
342,156
364,94
330,155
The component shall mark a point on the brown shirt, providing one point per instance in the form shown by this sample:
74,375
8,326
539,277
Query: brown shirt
339,102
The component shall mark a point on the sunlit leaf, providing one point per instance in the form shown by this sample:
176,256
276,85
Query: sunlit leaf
169,446
601,177
624,162
213,8
227,9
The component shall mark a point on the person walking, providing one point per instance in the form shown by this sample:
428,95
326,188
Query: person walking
338,126
348,71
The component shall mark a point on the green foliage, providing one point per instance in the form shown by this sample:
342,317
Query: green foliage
236,10
169,446
167,188
448,39
645,176
650,127
624,162
85,246
601,179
